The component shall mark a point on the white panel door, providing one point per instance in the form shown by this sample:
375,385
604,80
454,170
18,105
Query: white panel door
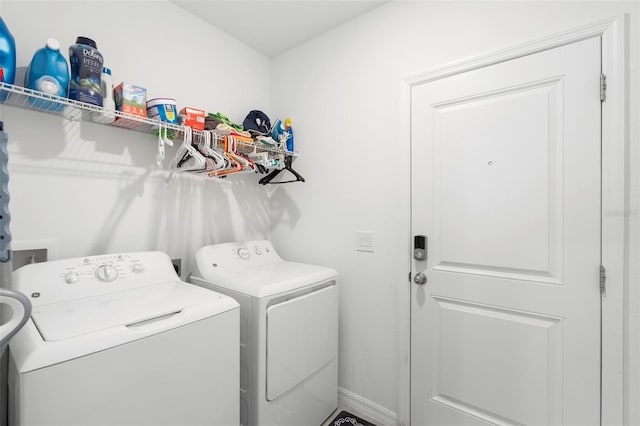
506,184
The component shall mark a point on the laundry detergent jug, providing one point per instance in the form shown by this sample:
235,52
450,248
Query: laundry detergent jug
86,71
48,73
7,58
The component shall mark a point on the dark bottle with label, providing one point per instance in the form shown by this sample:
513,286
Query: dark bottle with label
86,70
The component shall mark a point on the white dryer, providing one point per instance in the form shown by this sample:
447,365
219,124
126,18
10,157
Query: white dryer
120,340
288,331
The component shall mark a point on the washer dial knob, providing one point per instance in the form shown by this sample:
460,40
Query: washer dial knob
71,277
106,273
243,253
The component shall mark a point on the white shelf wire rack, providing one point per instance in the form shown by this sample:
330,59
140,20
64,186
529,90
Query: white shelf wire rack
24,98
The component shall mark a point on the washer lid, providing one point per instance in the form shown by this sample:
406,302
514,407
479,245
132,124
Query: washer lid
266,279
149,307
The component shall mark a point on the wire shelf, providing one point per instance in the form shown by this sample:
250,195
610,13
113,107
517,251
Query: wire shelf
74,110
34,100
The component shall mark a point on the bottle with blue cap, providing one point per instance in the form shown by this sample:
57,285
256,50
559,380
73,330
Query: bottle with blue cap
108,102
289,130
48,72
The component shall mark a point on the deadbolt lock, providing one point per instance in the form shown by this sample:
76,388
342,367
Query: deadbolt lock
420,247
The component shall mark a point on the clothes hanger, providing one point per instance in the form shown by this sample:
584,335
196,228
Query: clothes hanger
204,148
187,158
208,147
287,166
262,161
235,166
259,158
246,163
217,149
163,139
160,151
200,146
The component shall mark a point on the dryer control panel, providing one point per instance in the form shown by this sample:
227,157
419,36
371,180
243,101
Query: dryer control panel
68,279
238,255
254,268
253,249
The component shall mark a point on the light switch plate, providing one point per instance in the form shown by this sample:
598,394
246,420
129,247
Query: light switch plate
364,241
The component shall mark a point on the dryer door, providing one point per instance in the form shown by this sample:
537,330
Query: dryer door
302,338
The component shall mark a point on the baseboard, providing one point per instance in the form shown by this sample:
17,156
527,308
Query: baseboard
366,409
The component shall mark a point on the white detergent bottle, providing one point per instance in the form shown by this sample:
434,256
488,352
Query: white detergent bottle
108,103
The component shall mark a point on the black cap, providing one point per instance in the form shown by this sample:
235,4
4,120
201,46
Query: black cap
87,41
257,121
1,126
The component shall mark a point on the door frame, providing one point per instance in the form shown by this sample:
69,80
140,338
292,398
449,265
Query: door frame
615,202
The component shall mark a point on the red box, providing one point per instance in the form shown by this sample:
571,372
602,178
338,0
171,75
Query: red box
192,117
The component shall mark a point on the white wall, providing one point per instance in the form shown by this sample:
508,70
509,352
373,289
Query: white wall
84,188
80,188
346,93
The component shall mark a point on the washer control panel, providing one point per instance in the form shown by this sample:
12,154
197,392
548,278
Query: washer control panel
68,279
104,269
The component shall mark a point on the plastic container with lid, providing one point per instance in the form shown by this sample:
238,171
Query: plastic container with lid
7,57
86,71
48,73
163,109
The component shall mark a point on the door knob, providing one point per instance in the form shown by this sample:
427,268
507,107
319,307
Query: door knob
420,278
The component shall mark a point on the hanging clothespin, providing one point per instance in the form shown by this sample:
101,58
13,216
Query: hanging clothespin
165,137
160,152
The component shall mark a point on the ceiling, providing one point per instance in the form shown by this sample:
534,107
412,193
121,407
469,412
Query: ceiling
273,27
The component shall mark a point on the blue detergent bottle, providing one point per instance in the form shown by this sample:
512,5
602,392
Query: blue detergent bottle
289,129
48,73
7,58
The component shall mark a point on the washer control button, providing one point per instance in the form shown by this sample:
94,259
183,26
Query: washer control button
137,268
258,251
71,277
106,273
243,253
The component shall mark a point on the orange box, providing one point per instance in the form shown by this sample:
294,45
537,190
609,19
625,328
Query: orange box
131,99
192,117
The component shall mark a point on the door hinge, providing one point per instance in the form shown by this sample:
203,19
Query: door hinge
603,279
603,87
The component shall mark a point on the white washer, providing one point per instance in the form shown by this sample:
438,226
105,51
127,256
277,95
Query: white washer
120,340
288,331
